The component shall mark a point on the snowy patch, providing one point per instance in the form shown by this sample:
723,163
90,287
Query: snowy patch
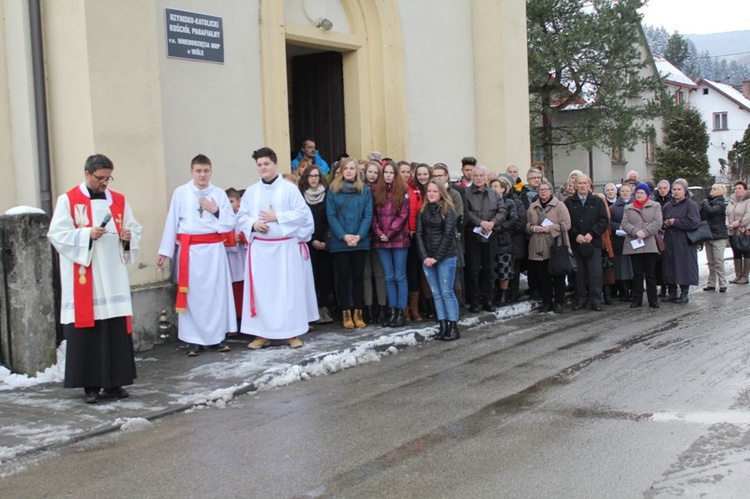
217,398
25,210
53,374
703,418
132,424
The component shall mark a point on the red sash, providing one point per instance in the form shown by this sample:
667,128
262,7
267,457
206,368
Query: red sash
83,277
183,263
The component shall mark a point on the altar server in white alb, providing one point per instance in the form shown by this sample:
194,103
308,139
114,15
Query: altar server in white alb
199,220
96,236
279,298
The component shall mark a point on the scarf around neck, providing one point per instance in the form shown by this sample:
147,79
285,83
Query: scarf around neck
315,196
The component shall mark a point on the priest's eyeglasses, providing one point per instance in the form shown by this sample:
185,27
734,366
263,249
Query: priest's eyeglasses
103,179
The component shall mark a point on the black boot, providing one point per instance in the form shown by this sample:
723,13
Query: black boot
683,295
451,333
672,290
388,319
503,297
607,292
663,293
442,329
399,320
625,291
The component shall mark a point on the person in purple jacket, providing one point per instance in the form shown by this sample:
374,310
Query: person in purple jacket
391,238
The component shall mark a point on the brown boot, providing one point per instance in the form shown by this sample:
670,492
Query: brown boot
407,316
745,271
414,306
737,271
348,322
358,322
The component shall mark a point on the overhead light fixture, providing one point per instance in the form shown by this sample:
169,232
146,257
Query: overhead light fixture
324,24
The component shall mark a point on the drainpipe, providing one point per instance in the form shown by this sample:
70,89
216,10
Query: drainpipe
42,141
40,105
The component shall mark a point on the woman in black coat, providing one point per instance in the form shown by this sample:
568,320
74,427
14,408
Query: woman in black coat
436,245
714,210
680,258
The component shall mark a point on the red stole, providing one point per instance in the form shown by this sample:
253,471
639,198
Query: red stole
83,277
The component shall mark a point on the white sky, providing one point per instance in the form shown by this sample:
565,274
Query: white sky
698,17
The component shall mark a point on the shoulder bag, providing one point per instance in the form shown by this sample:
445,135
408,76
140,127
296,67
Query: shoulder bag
561,259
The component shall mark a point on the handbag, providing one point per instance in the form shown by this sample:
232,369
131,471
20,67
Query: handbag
700,234
561,259
741,243
660,246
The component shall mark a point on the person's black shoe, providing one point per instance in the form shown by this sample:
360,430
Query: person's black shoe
577,306
669,298
596,307
487,307
451,332
91,395
474,308
545,308
710,288
723,290
635,304
654,305
116,393
223,347
193,350
557,308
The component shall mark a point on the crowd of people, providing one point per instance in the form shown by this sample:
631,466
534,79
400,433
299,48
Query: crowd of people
386,242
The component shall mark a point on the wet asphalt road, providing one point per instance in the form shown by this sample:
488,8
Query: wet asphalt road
626,403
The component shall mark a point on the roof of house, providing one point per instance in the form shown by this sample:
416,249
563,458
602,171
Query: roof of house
670,74
728,91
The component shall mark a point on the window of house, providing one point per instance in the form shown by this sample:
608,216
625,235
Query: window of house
616,155
650,144
705,91
720,121
679,97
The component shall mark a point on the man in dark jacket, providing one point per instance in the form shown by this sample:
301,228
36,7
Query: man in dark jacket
589,220
484,213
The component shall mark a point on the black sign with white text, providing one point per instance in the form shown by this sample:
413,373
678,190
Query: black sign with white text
194,36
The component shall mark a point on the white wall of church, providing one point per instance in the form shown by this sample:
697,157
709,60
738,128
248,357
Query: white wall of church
213,108
440,88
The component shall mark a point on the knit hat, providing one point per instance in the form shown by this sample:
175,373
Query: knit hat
642,186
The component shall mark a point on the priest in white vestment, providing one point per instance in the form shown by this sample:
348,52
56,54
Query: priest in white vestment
199,218
279,297
96,237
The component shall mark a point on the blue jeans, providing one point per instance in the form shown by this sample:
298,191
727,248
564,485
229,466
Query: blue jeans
393,261
440,278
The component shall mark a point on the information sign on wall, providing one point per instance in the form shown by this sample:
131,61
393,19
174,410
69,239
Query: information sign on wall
194,36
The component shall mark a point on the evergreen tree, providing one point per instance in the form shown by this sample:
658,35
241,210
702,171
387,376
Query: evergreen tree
683,152
738,165
677,51
587,56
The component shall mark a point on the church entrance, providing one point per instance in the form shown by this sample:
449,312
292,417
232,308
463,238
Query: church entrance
316,100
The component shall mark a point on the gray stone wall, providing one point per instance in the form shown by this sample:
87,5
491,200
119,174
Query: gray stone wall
27,305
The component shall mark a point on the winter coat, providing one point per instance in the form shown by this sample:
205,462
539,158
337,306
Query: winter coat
518,233
504,241
540,243
354,218
318,161
679,262
662,200
589,217
714,211
528,195
738,214
648,219
436,234
415,203
392,222
617,209
320,219
483,205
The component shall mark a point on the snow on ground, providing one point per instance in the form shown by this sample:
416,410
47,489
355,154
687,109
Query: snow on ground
54,373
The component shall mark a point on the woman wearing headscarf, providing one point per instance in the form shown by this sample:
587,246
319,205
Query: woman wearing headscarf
623,269
714,211
680,258
738,222
641,221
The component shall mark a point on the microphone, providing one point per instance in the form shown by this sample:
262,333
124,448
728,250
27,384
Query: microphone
106,220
